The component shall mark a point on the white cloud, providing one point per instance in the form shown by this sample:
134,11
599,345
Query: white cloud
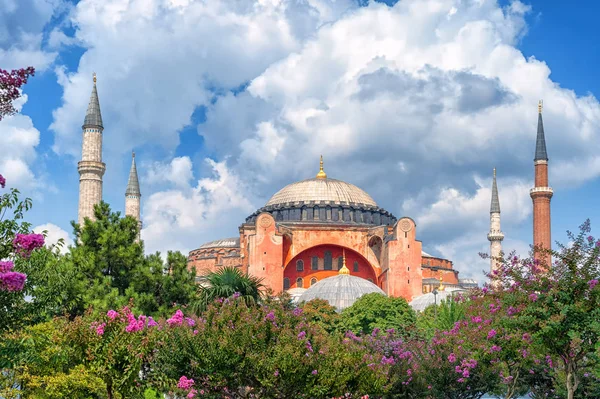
54,233
178,172
414,103
184,219
19,141
21,32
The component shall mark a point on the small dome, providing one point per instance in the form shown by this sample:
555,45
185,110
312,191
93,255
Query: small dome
340,291
421,302
233,242
296,293
330,191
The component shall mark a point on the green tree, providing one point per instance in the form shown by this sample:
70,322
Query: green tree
374,310
442,317
319,311
225,282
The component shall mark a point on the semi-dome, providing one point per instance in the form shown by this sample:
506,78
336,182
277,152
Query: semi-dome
330,191
340,291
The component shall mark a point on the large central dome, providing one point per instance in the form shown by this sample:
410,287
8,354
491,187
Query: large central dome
331,191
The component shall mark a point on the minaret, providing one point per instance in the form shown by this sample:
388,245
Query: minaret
132,194
91,168
541,193
495,236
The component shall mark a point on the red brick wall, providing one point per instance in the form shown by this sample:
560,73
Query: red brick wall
541,175
404,278
364,269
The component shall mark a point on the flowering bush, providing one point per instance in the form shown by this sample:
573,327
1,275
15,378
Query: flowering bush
10,83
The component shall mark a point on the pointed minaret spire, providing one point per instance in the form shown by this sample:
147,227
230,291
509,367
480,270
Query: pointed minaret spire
495,236
133,194
91,168
541,195
93,117
495,207
540,144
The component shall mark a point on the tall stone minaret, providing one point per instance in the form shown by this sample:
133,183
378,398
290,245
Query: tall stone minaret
541,193
133,195
495,236
91,168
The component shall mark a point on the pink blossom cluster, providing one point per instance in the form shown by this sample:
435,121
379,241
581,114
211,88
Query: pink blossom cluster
2,181
9,280
176,319
23,244
187,384
10,82
592,283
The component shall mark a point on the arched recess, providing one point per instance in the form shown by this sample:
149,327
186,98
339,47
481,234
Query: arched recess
327,253
376,245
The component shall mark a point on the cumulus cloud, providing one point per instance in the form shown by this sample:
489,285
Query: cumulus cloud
178,172
414,103
53,235
158,60
183,219
19,141
21,32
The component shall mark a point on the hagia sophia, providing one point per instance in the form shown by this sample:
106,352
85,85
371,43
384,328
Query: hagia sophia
325,238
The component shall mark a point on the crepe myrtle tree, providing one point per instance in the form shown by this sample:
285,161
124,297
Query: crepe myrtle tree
558,305
10,83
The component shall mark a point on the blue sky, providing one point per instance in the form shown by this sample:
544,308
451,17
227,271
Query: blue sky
414,102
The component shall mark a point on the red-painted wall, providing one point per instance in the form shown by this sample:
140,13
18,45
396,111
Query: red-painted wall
364,269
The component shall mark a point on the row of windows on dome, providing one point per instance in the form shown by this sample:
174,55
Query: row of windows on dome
327,263
300,282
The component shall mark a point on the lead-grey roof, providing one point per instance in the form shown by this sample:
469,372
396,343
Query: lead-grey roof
330,191
495,206
340,291
540,143
133,184
233,242
421,302
93,117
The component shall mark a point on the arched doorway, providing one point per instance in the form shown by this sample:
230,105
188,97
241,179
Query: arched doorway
322,261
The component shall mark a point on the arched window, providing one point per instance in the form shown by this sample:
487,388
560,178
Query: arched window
313,281
299,265
286,283
356,266
299,282
314,265
327,261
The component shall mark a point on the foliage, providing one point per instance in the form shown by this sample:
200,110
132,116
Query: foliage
440,318
320,312
10,83
225,282
559,306
378,311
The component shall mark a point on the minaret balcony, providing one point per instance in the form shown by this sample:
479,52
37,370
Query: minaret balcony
495,236
541,190
91,167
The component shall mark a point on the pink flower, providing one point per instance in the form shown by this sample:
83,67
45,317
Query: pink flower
297,312
2,181
185,383
192,393
533,297
301,334
176,319
491,334
151,322
190,322
452,358
314,372
100,329
12,281
270,316
112,314
6,266
23,244
592,283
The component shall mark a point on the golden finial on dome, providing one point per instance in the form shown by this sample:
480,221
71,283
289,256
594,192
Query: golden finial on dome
321,174
441,287
94,77
344,269
540,106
